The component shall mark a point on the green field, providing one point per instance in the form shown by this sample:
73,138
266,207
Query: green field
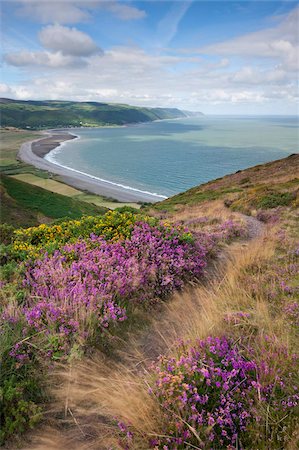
10,142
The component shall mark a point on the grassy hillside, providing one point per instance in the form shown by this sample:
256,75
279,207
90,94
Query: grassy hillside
54,114
24,205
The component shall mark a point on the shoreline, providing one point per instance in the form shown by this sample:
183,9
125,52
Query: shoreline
34,152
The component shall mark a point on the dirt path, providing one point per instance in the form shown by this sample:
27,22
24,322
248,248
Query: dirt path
149,343
255,227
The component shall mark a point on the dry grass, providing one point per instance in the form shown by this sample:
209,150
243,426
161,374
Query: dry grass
93,393
212,210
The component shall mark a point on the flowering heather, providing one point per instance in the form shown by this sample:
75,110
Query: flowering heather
212,236
93,281
291,310
213,392
269,216
278,279
204,394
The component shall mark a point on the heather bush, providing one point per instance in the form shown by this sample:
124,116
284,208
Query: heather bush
87,286
269,216
291,311
205,395
213,236
221,393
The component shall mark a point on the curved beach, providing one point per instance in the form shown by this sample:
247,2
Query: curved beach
33,153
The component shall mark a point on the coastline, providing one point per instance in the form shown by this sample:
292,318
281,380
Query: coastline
34,152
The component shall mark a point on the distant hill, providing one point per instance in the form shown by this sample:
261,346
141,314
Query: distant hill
56,114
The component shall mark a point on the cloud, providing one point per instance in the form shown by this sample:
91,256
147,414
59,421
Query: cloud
19,92
44,11
131,75
279,42
64,48
43,59
122,10
75,11
240,75
249,75
68,41
168,26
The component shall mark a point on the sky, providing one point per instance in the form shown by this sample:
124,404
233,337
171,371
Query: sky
218,57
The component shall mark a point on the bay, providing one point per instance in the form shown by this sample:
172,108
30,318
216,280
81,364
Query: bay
170,156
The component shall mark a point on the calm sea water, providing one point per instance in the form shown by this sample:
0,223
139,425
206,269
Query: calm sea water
170,156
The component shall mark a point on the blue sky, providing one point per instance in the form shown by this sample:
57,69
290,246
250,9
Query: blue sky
219,57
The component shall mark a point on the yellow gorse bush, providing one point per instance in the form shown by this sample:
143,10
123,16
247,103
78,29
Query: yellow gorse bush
114,226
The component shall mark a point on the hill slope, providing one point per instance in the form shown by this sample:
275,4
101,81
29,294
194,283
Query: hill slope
24,205
53,114
261,187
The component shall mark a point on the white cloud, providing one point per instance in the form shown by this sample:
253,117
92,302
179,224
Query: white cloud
18,92
122,11
62,12
168,26
130,75
233,78
250,75
279,42
69,48
68,41
75,11
43,59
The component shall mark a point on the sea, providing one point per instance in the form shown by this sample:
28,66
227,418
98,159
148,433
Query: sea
166,157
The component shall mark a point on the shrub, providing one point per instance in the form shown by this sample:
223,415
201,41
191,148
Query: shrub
127,209
224,394
268,216
20,385
6,233
274,199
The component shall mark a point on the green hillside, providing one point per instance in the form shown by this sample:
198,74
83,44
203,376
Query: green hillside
52,114
24,205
